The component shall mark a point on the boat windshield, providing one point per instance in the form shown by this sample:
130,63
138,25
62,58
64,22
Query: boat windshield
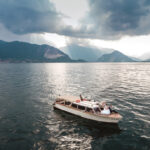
96,109
67,103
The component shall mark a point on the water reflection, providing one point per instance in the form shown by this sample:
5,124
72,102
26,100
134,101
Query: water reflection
28,121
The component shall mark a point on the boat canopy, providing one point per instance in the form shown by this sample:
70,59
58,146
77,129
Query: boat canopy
69,98
85,103
89,104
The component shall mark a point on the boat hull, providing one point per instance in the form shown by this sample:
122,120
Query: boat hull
86,115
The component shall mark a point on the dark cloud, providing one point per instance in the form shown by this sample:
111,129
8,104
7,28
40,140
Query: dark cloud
106,19
34,16
115,18
29,16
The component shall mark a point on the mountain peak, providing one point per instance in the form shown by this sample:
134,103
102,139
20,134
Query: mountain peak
115,56
117,52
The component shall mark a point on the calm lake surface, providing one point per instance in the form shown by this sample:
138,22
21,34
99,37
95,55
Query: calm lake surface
28,121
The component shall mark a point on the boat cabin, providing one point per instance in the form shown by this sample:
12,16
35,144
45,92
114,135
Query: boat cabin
82,105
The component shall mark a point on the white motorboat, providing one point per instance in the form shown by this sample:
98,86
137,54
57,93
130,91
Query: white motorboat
88,109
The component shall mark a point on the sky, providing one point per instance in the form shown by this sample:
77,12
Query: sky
122,25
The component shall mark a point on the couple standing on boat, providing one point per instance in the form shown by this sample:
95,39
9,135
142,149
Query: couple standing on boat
105,109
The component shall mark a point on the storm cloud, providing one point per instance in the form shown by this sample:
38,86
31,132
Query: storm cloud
29,16
34,16
106,19
115,18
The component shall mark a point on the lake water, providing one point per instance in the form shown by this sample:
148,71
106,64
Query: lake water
28,121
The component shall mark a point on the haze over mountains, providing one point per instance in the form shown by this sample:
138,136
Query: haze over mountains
26,52
89,53
145,56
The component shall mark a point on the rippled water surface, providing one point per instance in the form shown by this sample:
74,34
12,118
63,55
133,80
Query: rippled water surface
28,121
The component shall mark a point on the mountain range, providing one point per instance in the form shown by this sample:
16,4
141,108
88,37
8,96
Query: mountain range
25,52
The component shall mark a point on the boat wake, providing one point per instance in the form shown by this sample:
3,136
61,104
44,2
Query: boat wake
95,129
